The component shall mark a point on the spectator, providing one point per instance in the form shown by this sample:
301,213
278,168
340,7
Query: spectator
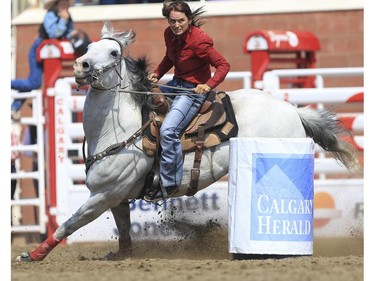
57,24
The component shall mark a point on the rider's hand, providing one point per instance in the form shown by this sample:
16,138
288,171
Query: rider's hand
63,13
153,78
202,89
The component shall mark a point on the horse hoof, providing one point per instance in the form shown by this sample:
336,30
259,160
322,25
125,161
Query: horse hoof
24,257
117,256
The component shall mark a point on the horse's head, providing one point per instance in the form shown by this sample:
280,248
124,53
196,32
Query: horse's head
102,56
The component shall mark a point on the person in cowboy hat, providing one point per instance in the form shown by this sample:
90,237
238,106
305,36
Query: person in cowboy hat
57,24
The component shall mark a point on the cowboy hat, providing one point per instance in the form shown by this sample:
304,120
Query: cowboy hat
50,3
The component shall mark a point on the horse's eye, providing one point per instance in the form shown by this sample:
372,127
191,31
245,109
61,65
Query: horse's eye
114,53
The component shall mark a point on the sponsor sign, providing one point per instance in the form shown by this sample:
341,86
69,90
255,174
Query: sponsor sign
271,196
338,210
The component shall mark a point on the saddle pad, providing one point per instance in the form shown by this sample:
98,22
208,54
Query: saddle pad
219,122
211,118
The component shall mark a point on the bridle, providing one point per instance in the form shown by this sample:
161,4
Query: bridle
95,75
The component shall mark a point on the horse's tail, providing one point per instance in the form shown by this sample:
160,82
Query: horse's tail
326,130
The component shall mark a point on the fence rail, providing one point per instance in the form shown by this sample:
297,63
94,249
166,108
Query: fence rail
37,119
74,174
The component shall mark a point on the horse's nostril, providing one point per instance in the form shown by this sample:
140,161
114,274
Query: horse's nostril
85,65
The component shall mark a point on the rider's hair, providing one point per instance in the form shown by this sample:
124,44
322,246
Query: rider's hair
183,7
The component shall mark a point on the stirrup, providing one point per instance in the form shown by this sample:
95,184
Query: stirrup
160,194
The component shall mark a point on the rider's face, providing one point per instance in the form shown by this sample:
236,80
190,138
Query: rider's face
178,22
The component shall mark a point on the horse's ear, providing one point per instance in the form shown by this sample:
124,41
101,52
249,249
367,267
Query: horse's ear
107,29
127,37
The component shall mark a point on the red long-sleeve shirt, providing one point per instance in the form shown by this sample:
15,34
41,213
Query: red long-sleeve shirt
191,54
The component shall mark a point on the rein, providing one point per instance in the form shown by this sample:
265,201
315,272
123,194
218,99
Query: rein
96,73
115,148
165,94
155,93
172,87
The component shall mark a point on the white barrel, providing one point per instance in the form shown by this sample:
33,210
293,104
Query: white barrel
271,196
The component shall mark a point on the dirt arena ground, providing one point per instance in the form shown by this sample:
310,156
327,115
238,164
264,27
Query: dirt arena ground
203,260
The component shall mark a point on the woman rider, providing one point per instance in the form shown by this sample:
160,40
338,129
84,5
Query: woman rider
191,52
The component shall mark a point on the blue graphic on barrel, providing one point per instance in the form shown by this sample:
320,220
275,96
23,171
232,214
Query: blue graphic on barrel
282,197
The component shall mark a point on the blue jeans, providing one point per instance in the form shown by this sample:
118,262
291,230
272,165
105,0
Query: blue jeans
182,111
34,81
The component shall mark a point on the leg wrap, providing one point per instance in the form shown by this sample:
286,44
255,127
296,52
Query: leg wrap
44,249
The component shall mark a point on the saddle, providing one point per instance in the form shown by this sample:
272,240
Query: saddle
214,123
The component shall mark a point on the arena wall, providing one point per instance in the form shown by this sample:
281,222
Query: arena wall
340,31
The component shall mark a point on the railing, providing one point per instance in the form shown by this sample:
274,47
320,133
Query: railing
245,76
74,175
37,119
271,79
322,98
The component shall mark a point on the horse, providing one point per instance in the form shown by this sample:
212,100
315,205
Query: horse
119,88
